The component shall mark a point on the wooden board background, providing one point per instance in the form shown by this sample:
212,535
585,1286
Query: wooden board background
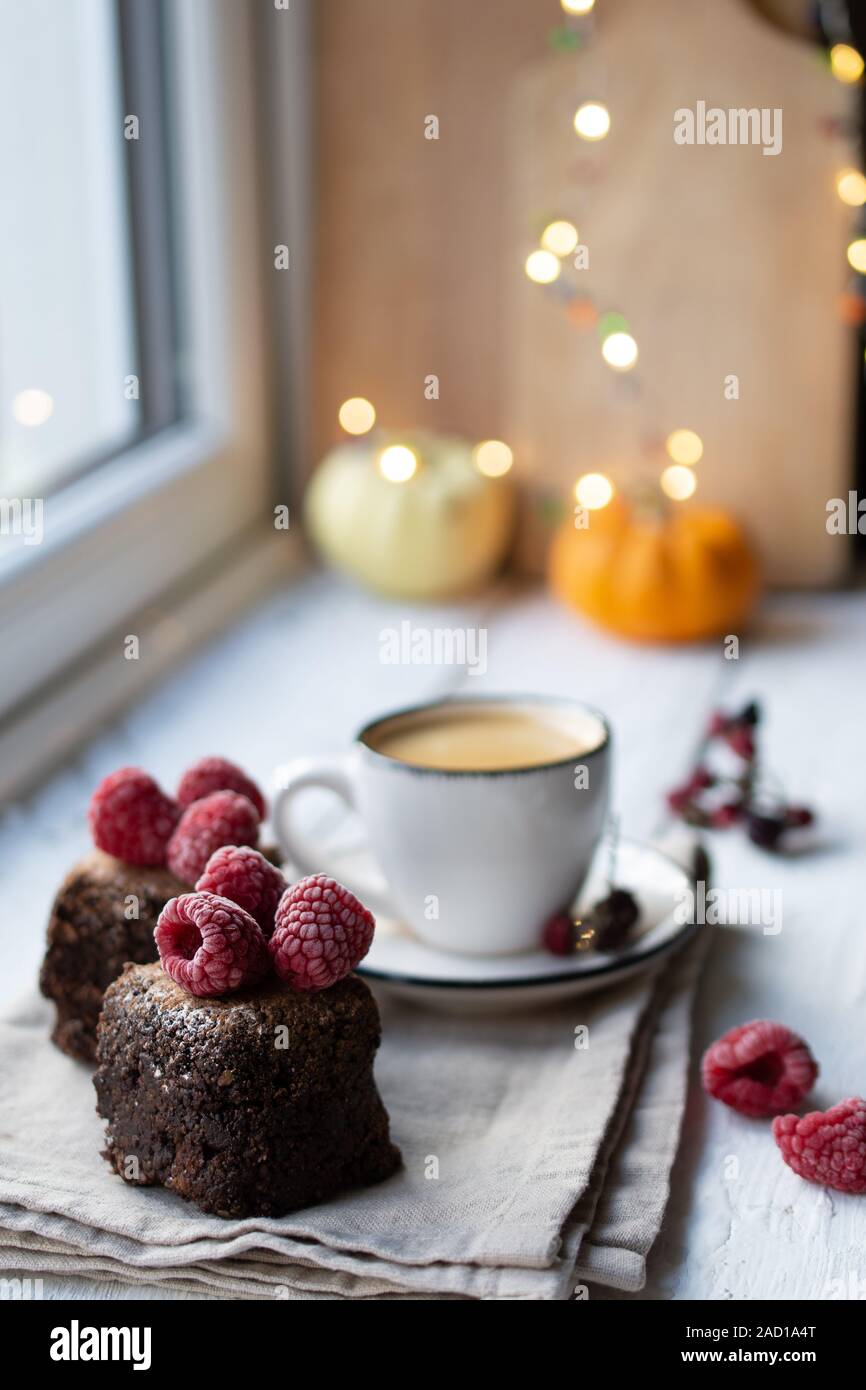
724,260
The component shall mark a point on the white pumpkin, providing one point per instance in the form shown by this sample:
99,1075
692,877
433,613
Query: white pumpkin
443,532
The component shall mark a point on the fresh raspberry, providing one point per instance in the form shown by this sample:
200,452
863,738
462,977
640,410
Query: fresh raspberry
827,1146
320,934
210,945
247,878
218,775
558,935
223,818
759,1068
131,818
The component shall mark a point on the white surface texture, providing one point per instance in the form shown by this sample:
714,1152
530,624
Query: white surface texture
302,674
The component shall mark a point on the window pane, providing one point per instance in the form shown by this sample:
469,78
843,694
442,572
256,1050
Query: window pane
67,324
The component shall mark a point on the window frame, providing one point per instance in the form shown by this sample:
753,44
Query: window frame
118,537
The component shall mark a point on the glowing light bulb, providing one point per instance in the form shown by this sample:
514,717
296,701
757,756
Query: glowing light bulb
678,482
857,255
577,6
593,491
851,187
542,267
493,458
357,416
684,446
560,238
32,407
846,63
398,463
592,121
619,351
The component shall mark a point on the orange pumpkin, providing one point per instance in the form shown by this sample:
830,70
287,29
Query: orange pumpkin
676,574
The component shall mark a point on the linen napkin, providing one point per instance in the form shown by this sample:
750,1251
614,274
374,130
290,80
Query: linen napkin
532,1166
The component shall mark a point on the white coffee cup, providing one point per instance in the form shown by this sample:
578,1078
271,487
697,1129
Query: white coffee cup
474,861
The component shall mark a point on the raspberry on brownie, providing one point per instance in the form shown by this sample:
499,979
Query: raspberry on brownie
222,818
321,932
251,1105
218,775
247,877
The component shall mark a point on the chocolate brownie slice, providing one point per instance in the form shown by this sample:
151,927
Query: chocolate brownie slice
252,1105
103,916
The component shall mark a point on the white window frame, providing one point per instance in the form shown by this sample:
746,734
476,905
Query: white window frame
120,537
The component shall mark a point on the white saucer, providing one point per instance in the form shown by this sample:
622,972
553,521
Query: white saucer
400,964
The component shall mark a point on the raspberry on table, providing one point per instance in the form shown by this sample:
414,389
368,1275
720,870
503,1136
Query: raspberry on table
223,818
245,877
131,818
209,945
759,1068
218,775
826,1146
320,934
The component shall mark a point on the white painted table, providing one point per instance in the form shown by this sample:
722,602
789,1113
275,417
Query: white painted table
303,672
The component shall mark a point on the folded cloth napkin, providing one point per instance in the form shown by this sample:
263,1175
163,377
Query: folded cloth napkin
531,1166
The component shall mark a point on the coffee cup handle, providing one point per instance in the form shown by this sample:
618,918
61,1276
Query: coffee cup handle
332,774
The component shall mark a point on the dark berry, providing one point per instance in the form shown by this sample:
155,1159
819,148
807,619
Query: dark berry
558,935
751,714
727,815
612,919
798,816
765,831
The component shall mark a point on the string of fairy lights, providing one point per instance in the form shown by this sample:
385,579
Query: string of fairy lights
619,349
559,239
398,463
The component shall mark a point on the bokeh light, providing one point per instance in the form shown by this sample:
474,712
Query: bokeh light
493,458
357,415
857,255
577,6
398,463
851,187
592,121
685,446
678,482
846,63
593,491
32,407
619,351
542,267
560,238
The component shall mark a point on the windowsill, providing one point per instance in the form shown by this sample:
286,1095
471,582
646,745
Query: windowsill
52,725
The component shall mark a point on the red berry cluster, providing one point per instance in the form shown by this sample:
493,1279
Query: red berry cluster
762,1069
243,921
606,926
717,800
132,819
